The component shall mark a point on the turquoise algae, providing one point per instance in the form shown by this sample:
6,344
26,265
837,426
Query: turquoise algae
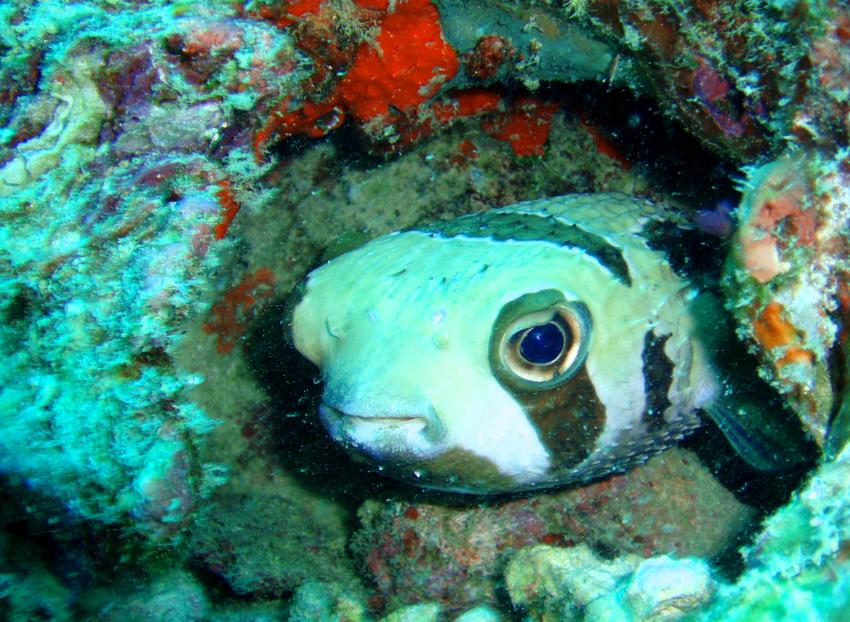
96,291
160,193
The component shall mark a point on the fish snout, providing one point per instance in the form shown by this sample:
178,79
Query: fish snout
386,431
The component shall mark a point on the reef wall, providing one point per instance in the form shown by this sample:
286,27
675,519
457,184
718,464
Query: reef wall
170,170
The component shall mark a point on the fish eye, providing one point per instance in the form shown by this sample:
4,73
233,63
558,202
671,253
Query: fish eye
542,344
538,347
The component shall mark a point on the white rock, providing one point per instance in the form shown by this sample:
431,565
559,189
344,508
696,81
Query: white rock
664,588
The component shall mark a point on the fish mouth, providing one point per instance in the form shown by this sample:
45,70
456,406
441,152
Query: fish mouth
381,436
412,423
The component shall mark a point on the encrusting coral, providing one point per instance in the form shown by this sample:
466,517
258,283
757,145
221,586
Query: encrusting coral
113,209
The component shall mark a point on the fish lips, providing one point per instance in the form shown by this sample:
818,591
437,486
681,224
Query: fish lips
400,437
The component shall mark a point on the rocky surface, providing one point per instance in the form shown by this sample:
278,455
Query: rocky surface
418,550
266,546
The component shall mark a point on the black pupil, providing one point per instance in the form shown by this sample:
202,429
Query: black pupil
542,344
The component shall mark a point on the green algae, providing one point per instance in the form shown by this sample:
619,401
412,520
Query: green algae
105,263
797,566
81,322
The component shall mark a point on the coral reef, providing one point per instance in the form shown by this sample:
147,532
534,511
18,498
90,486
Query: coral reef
172,595
575,584
786,273
421,551
325,601
265,546
116,192
796,569
797,566
169,170
397,70
790,259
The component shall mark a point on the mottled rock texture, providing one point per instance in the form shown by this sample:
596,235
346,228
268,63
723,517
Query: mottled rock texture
422,551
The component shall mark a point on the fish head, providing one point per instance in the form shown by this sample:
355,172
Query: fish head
452,366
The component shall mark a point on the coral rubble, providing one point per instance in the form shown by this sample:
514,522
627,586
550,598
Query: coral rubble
795,570
420,551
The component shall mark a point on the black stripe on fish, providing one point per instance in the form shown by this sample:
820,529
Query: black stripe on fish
505,226
657,378
569,418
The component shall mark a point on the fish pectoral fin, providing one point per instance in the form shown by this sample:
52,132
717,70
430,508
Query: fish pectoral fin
770,441
839,430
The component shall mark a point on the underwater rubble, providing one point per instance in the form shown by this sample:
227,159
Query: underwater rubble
169,171
455,556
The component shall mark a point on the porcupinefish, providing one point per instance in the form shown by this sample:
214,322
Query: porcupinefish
540,344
